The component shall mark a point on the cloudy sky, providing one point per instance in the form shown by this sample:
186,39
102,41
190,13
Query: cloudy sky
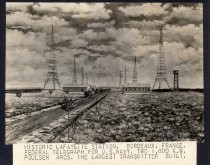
105,37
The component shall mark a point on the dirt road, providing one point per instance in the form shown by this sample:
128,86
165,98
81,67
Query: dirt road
20,128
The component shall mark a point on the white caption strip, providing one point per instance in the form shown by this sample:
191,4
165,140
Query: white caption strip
135,153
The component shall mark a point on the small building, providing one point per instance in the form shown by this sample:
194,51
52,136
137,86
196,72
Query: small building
136,88
19,91
112,88
115,89
68,88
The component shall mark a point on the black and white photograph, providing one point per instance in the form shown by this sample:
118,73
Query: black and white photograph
104,72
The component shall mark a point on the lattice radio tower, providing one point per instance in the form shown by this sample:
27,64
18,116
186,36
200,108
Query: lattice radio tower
52,74
161,75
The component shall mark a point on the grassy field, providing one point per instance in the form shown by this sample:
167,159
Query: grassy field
33,102
168,116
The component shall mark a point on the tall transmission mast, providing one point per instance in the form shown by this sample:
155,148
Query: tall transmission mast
74,80
86,78
52,74
161,75
82,77
135,72
120,82
125,77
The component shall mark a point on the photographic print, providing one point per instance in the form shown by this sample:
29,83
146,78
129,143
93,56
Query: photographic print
104,72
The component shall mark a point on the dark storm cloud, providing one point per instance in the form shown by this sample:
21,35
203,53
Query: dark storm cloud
181,17
79,24
116,14
176,5
63,43
23,28
105,41
104,37
101,52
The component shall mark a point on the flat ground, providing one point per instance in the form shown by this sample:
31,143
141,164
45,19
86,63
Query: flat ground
21,126
120,118
154,117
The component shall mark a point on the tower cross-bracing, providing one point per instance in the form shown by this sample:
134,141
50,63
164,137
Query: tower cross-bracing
52,74
161,75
